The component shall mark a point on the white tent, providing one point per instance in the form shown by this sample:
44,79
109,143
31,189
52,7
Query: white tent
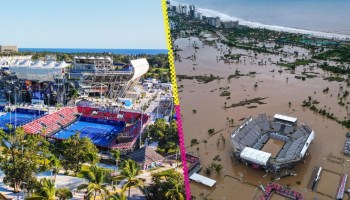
285,118
307,143
255,156
39,70
202,179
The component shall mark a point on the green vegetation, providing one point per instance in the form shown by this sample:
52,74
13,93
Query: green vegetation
334,78
165,134
22,157
211,167
339,54
211,131
335,69
311,104
194,142
296,63
257,100
225,93
168,185
96,177
116,155
237,74
200,78
75,151
129,172
64,194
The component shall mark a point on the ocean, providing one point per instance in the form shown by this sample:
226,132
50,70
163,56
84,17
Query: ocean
112,51
327,18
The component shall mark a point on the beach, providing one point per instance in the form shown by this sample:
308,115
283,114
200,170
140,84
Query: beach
325,19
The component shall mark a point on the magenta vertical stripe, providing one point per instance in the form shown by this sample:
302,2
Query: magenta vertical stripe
183,152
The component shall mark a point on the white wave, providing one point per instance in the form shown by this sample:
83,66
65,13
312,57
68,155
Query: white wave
225,17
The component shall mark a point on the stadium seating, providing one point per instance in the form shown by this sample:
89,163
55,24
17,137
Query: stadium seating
51,123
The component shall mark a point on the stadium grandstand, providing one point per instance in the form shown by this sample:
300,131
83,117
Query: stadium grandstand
107,128
50,82
271,143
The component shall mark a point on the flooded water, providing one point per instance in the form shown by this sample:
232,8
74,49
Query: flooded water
203,109
273,146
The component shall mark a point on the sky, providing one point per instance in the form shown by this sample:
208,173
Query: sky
114,24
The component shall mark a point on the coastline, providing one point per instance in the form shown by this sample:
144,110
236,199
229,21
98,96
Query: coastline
251,24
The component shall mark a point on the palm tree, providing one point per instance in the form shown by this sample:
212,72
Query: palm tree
116,155
64,194
47,189
96,177
117,196
74,94
175,193
54,163
129,172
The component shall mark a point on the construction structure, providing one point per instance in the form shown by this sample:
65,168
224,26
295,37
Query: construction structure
271,143
49,82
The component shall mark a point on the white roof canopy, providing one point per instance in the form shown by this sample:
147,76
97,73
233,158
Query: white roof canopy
202,179
285,118
140,66
255,156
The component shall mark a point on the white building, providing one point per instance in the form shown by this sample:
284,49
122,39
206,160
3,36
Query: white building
230,24
38,70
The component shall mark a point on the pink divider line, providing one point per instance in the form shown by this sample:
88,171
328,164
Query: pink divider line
183,152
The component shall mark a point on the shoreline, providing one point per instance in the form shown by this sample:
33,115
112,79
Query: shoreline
225,17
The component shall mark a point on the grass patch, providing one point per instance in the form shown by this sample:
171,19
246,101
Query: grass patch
334,78
257,100
296,63
200,78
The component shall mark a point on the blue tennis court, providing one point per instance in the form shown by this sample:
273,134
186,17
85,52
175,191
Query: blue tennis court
100,134
16,119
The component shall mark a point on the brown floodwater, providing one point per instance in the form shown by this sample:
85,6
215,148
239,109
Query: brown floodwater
284,95
273,146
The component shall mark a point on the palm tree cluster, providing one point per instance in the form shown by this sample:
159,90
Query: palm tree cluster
167,185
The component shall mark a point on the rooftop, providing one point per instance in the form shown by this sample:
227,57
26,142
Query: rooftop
145,155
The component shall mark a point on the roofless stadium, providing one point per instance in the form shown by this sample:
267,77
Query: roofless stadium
271,143
28,88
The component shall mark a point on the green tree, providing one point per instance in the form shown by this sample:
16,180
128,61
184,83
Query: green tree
64,193
175,192
117,196
47,189
73,94
96,187
129,172
75,151
116,155
165,185
20,157
165,134
55,165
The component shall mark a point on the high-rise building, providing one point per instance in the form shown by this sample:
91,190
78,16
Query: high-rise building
230,24
192,11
